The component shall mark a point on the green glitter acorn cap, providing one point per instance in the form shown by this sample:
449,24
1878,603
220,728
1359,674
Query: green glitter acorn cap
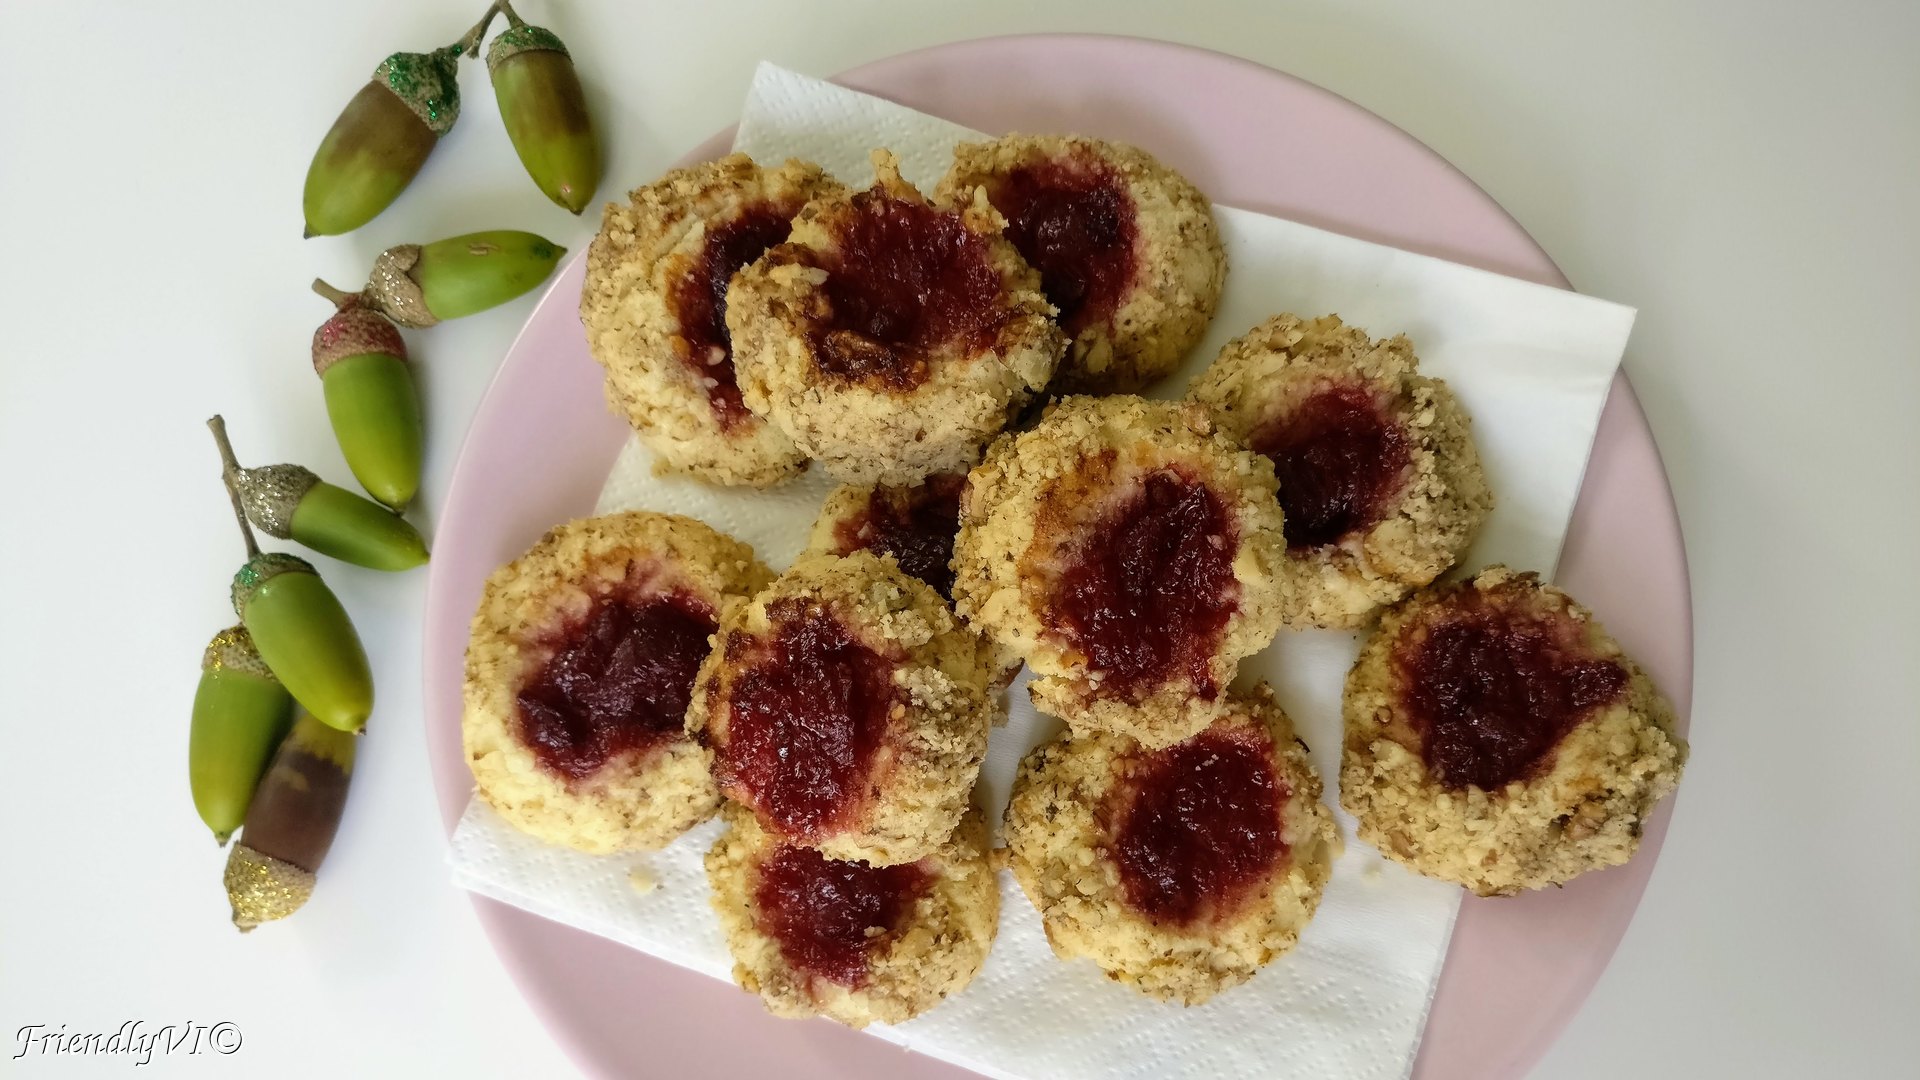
426,83
523,38
261,569
232,650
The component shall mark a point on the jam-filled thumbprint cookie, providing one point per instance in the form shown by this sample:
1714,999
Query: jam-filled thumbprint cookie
1179,871
655,306
1131,555
1127,249
891,338
1497,737
847,709
1379,477
915,526
815,936
579,671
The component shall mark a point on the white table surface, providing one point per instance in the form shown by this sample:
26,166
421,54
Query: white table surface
1747,175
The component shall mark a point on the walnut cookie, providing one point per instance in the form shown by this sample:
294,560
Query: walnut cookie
1379,477
847,708
857,943
1131,555
890,338
1180,871
654,308
1127,249
578,673
915,526
1497,737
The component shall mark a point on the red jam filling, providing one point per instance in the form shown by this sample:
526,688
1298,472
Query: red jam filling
1152,589
618,681
1202,827
1073,221
1492,691
914,525
700,302
828,916
905,280
805,720
1340,461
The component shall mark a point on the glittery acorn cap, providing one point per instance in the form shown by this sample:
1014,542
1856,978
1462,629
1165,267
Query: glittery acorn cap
427,83
518,39
271,493
355,330
232,650
391,288
261,569
262,888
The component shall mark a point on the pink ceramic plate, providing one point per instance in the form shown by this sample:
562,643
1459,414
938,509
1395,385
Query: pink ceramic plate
543,441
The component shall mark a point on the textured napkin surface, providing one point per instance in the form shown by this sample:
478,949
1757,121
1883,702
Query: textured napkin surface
1532,365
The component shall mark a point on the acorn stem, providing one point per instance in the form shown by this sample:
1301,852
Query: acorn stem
230,468
339,296
513,19
470,44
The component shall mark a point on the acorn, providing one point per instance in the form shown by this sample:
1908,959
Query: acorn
270,871
298,625
293,503
371,399
545,111
418,285
384,135
240,714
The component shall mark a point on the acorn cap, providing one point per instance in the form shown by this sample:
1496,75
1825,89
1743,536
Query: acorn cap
232,650
261,569
523,38
391,288
354,330
262,888
426,83
271,492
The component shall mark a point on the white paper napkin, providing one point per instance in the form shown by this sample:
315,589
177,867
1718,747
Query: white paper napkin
1532,365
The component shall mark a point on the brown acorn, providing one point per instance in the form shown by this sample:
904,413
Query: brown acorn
545,111
290,826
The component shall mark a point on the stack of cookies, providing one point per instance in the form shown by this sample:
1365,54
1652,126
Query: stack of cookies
967,363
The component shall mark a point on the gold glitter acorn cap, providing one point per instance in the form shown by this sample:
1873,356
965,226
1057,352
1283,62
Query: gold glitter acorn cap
354,330
392,289
262,888
519,39
270,494
232,650
426,83
261,569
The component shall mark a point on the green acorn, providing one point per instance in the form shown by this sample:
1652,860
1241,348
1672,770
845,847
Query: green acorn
293,503
240,714
384,135
299,627
418,285
545,111
371,399
270,871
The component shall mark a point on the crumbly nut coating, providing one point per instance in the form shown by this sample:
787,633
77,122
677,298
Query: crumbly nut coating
1584,811
1180,270
839,517
1441,502
924,769
1038,500
864,432
632,802
644,251
940,946
1059,843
